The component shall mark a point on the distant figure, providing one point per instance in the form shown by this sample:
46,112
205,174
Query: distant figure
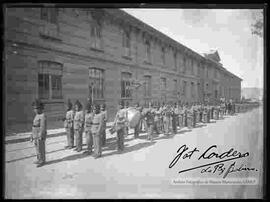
88,121
120,126
68,125
104,125
96,131
78,125
39,132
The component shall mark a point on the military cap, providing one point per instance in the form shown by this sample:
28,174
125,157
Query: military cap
37,104
97,106
77,103
88,106
69,104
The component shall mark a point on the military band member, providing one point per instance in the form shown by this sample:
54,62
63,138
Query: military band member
39,132
96,131
78,125
150,122
167,120
181,116
186,107
137,127
88,120
120,126
68,125
127,127
174,114
104,125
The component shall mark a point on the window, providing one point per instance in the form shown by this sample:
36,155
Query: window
207,74
50,80
56,86
163,83
184,88
215,73
96,36
175,86
49,15
148,51
126,43
184,65
199,89
96,83
175,60
163,56
191,67
125,85
207,87
192,90
43,86
147,86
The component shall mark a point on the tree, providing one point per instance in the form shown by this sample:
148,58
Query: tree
257,26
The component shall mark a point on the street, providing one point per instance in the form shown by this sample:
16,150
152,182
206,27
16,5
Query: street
142,170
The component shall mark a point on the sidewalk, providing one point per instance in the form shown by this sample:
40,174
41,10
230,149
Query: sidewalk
24,137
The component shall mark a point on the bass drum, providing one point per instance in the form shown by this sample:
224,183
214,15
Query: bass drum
134,117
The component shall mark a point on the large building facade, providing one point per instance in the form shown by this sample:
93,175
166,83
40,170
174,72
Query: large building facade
57,54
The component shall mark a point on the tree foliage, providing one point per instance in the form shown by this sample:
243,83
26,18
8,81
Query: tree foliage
257,26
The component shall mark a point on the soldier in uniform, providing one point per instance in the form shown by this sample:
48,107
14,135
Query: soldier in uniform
181,116
167,120
150,122
174,114
96,131
88,120
78,125
127,127
137,127
68,125
120,126
39,132
103,129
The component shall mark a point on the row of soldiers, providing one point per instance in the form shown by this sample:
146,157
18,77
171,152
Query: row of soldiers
163,118
166,118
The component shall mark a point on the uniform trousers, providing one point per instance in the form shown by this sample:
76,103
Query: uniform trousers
89,140
78,138
137,130
70,136
120,138
103,135
40,150
97,144
166,122
150,131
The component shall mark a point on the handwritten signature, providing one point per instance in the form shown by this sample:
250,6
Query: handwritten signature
218,165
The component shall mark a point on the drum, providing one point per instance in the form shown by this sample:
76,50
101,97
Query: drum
134,117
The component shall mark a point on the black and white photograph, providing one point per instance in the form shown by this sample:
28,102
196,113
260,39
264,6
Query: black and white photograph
140,102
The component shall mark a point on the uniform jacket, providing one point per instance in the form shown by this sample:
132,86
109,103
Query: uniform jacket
121,119
97,123
39,129
88,120
68,123
79,120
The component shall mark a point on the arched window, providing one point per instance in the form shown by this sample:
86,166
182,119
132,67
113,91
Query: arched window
96,83
96,36
148,51
147,86
50,80
163,58
126,85
126,43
